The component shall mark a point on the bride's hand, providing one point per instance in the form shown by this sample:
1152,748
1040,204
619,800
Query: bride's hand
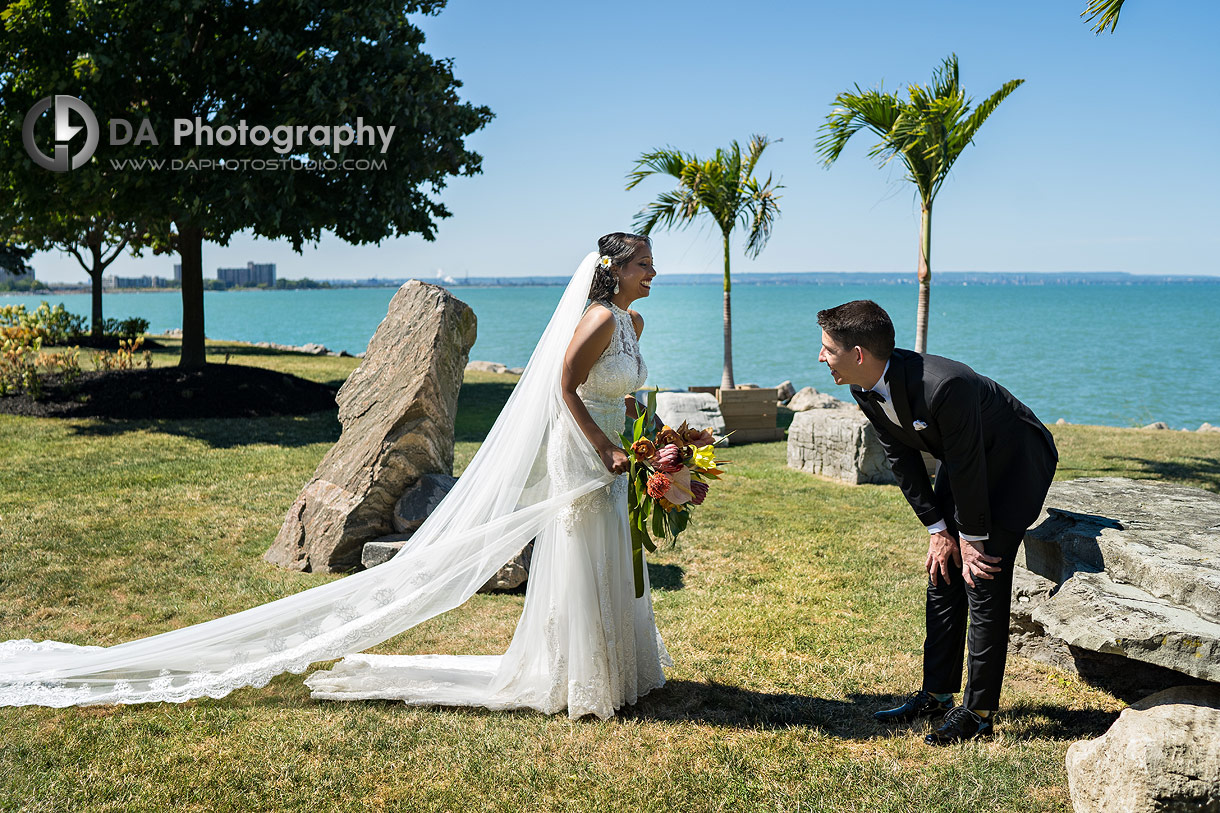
615,460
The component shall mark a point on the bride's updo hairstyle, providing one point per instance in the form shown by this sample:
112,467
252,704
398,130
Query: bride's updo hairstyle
619,247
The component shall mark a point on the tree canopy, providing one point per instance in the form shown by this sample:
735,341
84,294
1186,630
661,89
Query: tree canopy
212,64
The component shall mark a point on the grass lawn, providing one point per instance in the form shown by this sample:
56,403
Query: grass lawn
792,608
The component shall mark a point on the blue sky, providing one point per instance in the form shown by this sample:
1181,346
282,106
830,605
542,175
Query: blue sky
1104,160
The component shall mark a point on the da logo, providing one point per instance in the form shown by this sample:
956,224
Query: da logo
65,131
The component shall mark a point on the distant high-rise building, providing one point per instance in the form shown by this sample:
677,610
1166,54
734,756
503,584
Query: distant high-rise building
133,282
253,274
178,272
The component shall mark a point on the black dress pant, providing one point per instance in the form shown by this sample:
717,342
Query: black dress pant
986,605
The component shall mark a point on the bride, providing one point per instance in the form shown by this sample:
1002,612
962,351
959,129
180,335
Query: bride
549,470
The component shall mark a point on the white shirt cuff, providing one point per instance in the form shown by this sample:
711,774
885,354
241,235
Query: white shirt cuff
938,527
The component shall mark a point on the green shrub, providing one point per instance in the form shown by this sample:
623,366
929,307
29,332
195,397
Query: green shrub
131,328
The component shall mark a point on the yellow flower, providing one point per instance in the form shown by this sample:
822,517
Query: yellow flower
704,457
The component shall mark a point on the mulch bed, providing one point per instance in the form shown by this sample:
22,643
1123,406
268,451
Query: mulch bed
216,391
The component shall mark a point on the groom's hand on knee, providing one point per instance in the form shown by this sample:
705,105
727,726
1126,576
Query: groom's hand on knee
944,557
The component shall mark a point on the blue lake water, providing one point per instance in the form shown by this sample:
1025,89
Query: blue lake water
1113,354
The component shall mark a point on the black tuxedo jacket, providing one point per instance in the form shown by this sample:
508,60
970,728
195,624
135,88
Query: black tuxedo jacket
996,457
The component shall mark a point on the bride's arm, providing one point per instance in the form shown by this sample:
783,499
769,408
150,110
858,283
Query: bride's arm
590,340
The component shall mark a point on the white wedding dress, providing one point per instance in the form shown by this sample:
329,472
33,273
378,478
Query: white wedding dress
584,641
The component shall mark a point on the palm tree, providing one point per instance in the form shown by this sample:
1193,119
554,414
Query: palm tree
1103,14
928,132
725,189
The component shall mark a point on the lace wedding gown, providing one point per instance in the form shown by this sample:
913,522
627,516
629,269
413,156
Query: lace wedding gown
584,641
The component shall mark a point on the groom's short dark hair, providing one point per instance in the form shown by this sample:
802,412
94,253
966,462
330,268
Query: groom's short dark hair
860,323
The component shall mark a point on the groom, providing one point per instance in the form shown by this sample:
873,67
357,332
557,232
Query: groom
995,461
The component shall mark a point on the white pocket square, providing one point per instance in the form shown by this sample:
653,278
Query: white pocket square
919,425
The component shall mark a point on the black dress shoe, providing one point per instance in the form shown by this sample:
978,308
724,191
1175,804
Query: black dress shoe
960,724
918,704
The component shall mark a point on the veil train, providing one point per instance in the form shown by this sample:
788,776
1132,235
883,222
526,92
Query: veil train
534,463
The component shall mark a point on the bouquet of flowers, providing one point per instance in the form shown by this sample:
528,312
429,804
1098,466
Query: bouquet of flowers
670,470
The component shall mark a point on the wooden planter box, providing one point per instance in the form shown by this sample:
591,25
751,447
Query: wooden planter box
748,413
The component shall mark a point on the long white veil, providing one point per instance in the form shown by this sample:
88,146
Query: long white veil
509,492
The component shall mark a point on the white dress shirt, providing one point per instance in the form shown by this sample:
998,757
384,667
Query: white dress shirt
882,388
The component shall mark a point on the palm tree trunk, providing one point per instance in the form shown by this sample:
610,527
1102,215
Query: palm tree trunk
925,277
726,380
190,249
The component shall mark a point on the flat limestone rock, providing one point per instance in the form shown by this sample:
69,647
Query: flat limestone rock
397,410
1136,564
512,575
1162,755
837,443
699,409
1091,611
382,549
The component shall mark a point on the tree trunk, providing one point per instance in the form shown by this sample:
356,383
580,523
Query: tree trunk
95,274
925,278
190,250
726,380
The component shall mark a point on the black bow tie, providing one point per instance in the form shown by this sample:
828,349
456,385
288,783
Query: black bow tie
874,396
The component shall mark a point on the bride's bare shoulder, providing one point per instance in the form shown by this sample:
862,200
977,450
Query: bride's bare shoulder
596,326
638,321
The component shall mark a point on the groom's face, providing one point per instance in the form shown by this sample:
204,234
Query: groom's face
844,362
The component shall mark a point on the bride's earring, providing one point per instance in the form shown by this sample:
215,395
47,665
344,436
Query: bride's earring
616,286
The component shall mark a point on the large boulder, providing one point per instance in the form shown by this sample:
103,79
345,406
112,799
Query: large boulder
1132,570
1161,756
397,411
808,398
837,443
699,409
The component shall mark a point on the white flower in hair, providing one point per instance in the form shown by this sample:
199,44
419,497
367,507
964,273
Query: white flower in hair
605,262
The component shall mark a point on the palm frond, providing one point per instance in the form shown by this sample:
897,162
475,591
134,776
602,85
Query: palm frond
677,208
760,212
963,134
758,143
874,109
665,161
945,79
1103,14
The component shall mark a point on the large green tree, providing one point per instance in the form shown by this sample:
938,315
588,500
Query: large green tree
722,188
221,62
927,131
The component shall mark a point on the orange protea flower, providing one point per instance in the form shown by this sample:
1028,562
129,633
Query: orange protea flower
658,484
643,449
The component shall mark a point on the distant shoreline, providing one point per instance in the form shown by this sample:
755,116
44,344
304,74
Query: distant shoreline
1001,278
